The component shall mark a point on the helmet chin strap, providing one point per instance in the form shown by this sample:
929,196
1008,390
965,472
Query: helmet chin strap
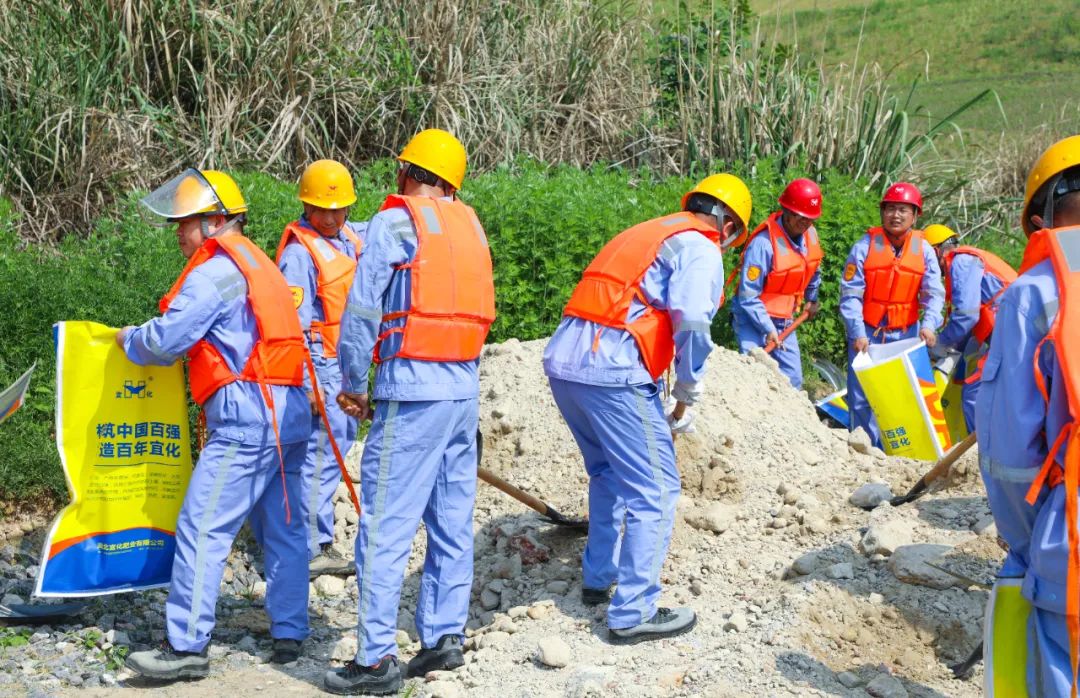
204,225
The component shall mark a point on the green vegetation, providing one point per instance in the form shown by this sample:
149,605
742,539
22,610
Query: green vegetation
545,224
1028,51
99,98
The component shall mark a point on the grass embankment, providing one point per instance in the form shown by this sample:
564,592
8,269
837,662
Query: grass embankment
1028,51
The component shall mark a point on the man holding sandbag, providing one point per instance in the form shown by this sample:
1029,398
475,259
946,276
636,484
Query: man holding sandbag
890,290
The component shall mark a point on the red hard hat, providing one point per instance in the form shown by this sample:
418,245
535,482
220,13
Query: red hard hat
903,193
803,197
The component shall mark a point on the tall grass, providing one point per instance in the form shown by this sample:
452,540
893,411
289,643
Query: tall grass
98,97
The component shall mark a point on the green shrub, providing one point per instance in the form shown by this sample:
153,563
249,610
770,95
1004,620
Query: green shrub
545,224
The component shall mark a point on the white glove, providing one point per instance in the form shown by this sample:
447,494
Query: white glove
685,392
682,426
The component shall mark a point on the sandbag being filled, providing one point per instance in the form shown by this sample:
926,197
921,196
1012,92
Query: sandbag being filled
899,384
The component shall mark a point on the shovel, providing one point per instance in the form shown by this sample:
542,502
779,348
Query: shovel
535,503
803,317
940,470
37,614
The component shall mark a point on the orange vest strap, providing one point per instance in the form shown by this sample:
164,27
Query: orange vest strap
893,282
612,281
792,270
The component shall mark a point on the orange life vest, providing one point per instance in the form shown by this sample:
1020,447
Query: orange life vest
892,282
613,280
993,265
452,286
1062,247
279,353
791,270
334,276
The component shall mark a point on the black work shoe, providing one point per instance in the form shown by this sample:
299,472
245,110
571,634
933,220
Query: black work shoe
595,597
353,679
444,656
330,561
167,664
666,623
285,650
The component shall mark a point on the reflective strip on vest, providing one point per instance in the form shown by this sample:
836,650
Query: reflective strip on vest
334,276
893,282
452,286
612,282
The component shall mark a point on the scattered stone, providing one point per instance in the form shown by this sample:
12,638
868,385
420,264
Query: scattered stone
557,586
553,652
848,679
859,441
908,564
717,517
841,570
493,639
806,563
885,538
539,612
345,649
402,638
518,612
248,644
508,568
985,527
489,600
12,600
328,585
885,686
871,494
737,622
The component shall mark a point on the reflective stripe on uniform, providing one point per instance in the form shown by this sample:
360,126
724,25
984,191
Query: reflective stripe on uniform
385,452
658,477
204,530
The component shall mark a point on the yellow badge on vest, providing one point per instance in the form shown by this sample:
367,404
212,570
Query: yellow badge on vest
753,273
849,272
297,296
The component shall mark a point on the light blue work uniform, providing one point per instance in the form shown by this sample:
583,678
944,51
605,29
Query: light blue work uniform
1016,428
419,459
613,408
752,323
321,472
238,474
971,287
931,300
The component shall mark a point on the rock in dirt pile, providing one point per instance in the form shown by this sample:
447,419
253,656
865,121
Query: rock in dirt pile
798,591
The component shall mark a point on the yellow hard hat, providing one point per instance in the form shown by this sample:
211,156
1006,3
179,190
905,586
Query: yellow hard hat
193,192
936,234
1055,160
437,152
730,190
327,184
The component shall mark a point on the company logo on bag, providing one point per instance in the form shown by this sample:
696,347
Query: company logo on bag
137,390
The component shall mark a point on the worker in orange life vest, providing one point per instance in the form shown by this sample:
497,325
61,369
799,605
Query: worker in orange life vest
223,312
649,296
780,267
974,282
890,278
317,254
421,305
1029,446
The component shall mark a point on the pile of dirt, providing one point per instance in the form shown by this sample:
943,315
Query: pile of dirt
797,590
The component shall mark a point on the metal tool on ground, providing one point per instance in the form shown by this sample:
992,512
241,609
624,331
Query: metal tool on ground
940,470
803,317
965,669
535,503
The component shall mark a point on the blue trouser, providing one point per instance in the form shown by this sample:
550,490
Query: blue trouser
321,472
1048,670
419,463
858,406
974,353
787,354
630,459
231,482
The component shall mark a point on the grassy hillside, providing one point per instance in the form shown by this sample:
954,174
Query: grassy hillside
1026,50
